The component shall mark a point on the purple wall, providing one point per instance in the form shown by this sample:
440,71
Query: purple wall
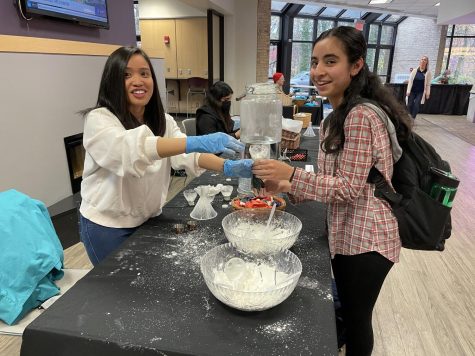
121,21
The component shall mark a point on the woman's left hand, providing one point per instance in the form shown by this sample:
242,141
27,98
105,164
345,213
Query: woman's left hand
272,169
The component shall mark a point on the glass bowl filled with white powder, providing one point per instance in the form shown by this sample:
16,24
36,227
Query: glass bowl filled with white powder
250,227
249,282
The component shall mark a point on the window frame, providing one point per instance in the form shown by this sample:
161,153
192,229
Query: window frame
291,11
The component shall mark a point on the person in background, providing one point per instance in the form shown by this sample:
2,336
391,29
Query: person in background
279,81
362,230
214,115
131,145
418,86
443,78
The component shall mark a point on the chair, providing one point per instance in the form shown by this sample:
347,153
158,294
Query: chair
189,125
196,86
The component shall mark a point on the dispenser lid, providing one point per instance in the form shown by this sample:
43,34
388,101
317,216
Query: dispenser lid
261,88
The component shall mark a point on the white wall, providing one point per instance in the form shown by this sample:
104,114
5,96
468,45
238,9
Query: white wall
41,95
456,12
163,9
240,47
413,30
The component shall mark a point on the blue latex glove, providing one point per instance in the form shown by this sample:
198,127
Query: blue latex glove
218,142
237,125
241,168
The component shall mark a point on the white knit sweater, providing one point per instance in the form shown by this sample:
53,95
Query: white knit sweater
125,182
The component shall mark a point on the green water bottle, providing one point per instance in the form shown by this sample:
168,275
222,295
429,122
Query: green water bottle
444,186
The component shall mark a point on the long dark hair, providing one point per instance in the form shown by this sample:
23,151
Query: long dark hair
364,87
216,92
112,94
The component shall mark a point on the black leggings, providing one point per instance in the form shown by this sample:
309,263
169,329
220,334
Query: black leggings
359,279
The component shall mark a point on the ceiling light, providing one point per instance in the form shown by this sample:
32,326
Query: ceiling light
376,2
438,4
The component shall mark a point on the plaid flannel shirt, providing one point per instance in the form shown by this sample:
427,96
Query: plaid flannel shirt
358,222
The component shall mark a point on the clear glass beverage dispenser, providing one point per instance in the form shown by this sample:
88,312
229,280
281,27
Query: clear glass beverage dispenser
261,115
261,124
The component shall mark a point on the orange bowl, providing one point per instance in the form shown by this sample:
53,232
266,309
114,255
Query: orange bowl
235,204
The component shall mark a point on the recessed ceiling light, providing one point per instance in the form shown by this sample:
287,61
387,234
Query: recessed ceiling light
376,2
438,4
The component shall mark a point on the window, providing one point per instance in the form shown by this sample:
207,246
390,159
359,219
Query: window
330,12
275,28
387,35
380,49
393,18
310,10
345,23
272,60
303,29
373,34
301,54
383,62
459,54
290,50
323,25
352,14
277,5
370,58
464,30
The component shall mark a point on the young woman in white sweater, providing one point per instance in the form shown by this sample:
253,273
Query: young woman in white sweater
131,146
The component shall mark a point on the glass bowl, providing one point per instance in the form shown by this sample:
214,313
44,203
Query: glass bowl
247,229
248,282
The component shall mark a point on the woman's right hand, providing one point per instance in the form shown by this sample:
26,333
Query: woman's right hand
272,169
218,142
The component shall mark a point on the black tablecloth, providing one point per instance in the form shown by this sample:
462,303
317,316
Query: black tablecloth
149,298
445,99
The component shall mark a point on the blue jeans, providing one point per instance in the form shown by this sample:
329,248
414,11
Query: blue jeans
99,240
413,103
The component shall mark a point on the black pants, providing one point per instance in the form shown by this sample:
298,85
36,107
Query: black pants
359,279
413,103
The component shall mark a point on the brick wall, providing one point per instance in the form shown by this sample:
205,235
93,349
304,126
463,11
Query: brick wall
263,40
417,37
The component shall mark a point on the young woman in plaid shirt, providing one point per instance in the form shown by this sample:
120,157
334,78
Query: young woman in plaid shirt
362,230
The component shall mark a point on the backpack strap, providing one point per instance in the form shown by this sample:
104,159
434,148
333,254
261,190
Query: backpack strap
395,147
382,188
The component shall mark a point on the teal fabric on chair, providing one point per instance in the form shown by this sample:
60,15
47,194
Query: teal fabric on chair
31,255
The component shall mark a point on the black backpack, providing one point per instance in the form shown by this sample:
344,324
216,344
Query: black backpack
424,223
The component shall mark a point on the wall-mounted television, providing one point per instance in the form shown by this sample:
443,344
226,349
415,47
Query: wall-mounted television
85,12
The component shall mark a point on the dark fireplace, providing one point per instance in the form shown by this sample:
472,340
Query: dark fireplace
75,154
